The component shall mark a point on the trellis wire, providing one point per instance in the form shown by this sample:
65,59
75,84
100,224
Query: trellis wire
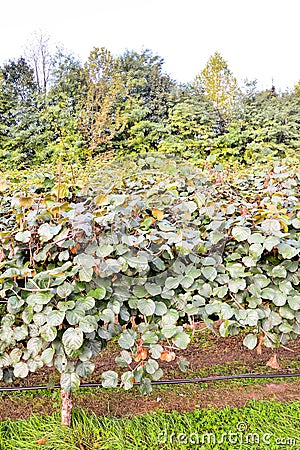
165,382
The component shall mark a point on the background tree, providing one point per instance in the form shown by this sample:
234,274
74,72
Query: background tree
101,119
39,56
21,127
145,80
63,106
219,85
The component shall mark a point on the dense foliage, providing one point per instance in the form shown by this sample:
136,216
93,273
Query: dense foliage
146,247
54,107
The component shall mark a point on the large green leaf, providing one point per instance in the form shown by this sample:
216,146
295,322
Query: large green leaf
109,379
69,381
146,306
21,370
72,339
241,233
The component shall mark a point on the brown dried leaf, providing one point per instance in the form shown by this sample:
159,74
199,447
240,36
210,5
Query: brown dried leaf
3,185
141,354
167,356
158,214
26,202
101,200
273,362
260,345
42,441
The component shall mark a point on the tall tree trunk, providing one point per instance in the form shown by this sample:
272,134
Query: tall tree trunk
66,408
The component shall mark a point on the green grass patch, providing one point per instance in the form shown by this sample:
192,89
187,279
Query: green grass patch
259,425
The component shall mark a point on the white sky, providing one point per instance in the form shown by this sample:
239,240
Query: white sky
258,38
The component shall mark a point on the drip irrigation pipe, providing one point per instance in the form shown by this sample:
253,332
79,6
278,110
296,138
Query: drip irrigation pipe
165,382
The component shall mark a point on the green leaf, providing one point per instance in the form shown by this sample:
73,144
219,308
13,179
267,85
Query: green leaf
47,232
20,333
236,270
296,223
66,305
85,368
109,379
261,281
183,364
151,366
124,359
23,236
181,340
237,284
170,317
145,386
287,251
34,345
48,333
156,350
169,330
172,283
153,289
127,379
85,261
149,337
250,341
146,306
85,303
104,250
277,297
209,261
69,382
107,315
21,370
256,238
279,272
55,318
209,273
241,233
286,312
88,324
255,250
40,298
187,281
64,290
98,293
15,355
249,261
216,236
220,292
47,356
72,339
271,242
14,304
271,226
127,339
294,302
139,291
74,316
160,309
86,274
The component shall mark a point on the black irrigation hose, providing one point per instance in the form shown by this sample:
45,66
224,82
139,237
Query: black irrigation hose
165,382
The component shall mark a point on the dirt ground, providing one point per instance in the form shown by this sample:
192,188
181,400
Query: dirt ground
209,355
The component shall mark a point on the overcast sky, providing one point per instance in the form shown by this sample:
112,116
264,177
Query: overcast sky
258,38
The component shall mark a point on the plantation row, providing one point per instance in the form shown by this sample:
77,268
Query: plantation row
145,248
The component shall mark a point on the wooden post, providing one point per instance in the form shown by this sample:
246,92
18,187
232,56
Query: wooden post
66,408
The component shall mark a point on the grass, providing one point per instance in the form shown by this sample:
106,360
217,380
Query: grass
259,425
